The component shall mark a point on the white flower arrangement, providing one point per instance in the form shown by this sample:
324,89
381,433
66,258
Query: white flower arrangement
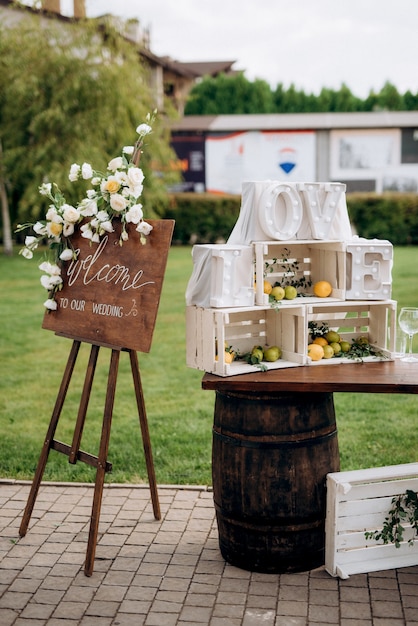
115,193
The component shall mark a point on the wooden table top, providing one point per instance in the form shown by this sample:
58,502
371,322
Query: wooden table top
378,377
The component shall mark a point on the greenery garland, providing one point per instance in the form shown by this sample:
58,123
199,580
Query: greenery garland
404,511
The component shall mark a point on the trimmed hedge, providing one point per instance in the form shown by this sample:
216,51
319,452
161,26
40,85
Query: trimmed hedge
203,218
210,218
392,216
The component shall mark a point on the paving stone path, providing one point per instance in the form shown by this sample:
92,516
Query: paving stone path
168,572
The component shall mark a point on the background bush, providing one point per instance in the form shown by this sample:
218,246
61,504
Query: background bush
392,216
209,218
203,218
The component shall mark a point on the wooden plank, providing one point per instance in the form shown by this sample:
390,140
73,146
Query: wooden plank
377,377
110,298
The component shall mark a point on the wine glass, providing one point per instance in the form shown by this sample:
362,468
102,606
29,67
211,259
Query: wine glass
408,321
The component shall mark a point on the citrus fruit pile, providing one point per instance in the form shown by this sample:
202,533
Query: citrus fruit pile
277,292
321,289
328,346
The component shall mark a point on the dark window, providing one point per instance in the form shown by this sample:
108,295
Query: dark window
409,149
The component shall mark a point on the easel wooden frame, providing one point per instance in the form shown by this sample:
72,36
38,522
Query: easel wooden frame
75,454
136,296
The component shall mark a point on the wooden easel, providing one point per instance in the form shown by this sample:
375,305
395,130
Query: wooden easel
127,281
75,454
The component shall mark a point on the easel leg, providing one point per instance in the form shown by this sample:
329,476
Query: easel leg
101,463
85,397
145,433
49,438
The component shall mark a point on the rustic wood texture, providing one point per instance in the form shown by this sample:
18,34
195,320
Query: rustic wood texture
382,377
257,484
111,294
271,455
74,453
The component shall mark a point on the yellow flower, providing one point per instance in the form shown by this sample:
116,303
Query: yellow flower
55,228
111,185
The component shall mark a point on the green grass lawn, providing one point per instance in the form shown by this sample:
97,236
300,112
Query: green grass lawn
373,429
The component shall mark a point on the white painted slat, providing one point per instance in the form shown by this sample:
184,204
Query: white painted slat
358,501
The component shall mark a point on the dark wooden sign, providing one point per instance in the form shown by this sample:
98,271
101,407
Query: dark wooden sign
111,293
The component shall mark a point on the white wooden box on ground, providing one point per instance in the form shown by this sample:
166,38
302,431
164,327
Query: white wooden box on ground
358,501
209,330
354,319
298,260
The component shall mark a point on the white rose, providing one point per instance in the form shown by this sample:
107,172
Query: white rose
118,202
50,268
31,242
70,213
88,208
115,163
135,176
50,304
107,226
67,254
91,194
74,172
95,181
144,228
51,213
26,253
86,171
68,229
102,216
54,269
45,189
49,282
143,129
87,234
128,149
39,228
135,214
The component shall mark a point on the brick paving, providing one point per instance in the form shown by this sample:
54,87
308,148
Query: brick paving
168,572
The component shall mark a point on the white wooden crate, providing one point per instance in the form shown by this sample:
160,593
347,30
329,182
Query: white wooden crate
358,501
353,319
295,260
369,269
208,330
223,276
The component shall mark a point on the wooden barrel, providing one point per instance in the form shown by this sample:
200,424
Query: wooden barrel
271,454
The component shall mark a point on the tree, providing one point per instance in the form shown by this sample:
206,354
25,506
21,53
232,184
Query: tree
72,93
229,94
389,98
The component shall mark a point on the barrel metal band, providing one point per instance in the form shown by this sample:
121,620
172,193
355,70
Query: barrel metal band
270,525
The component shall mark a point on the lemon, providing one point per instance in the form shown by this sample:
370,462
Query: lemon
328,352
321,341
362,341
290,292
228,358
267,287
345,346
336,347
278,292
271,354
315,351
322,289
332,336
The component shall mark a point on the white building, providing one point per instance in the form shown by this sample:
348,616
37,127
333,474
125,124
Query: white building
367,151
